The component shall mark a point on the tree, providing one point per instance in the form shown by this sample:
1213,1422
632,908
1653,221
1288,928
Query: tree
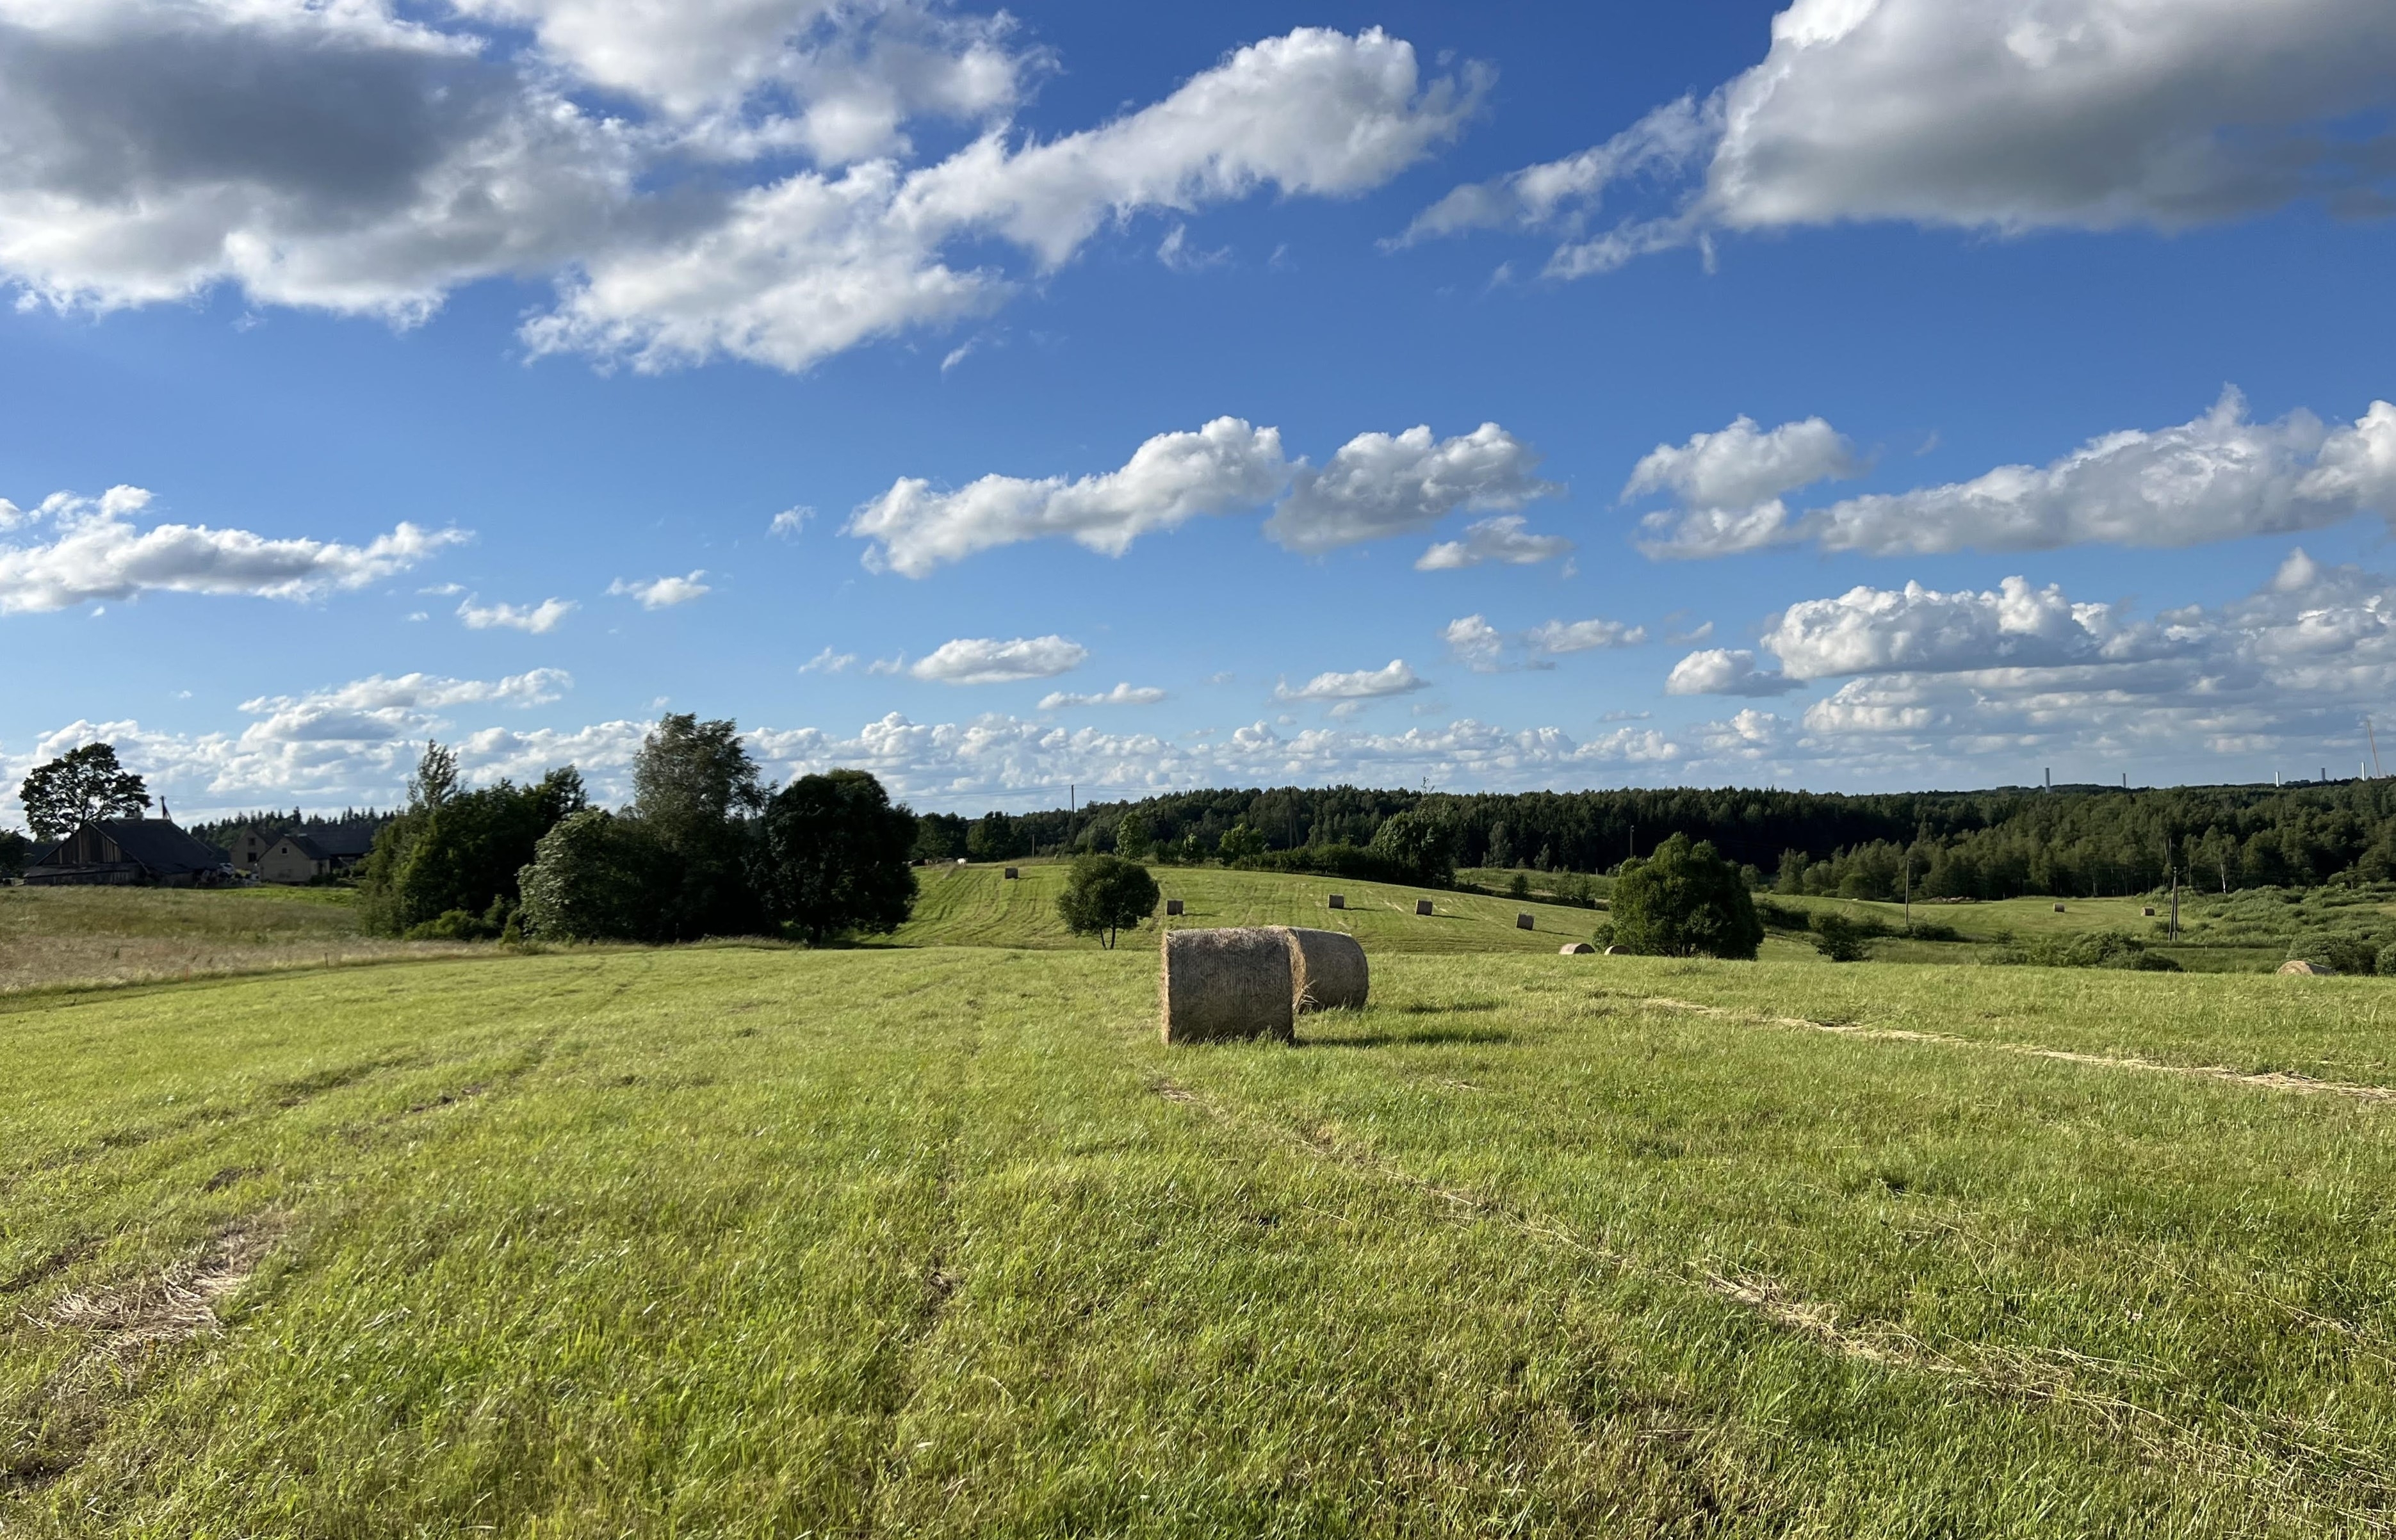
14,849
81,786
993,837
1104,895
1419,846
831,857
1133,838
694,789
1840,938
940,836
1684,899
594,878
460,851
1239,843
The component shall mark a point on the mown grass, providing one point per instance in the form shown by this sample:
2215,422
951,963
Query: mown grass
53,936
769,1242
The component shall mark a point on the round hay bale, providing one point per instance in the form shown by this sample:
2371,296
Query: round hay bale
2148,911
1172,906
1340,900
1524,921
2298,965
1614,951
1422,905
1326,970
1224,984
1576,948
2059,909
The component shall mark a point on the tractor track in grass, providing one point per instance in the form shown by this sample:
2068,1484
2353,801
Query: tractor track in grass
2263,1080
2274,1462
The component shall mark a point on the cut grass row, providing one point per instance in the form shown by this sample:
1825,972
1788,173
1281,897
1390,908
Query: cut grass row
942,1241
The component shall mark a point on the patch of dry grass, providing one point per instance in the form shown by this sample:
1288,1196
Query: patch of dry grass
65,937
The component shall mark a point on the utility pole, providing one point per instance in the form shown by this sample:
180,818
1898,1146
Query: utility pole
2175,919
2373,739
1909,892
1071,807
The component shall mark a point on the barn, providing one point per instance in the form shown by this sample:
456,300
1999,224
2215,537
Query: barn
129,853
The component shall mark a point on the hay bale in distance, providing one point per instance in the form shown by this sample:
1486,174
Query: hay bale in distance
1422,905
2059,909
2148,911
1576,948
1340,900
1614,951
1219,985
1524,921
1012,875
1326,970
1172,906
2298,965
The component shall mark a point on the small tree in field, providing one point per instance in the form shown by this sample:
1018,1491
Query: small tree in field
832,858
1106,894
1133,840
1239,843
1683,900
83,786
596,877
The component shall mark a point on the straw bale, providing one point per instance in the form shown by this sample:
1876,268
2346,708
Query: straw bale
2148,911
1222,983
1575,949
2059,909
1524,921
1422,905
1614,951
1012,875
2298,965
1172,906
1340,900
1326,970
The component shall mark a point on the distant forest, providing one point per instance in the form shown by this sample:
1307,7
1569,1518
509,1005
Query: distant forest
2072,841
220,831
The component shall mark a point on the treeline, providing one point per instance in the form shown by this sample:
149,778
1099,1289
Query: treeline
274,824
703,850
2071,841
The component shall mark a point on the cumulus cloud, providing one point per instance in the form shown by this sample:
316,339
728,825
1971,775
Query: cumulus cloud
1729,484
1381,484
1476,644
1224,466
982,660
1362,685
789,521
1571,636
2008,116
662,593
540,619
1124,694
1875,630
1725,670
1481,646
95,551
2220,476
1500,539
829,662
367,157
1375,485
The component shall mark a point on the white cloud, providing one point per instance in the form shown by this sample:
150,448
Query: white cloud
1498,539
379,709
1878,631
1476,644
1724,671
829,662
94,552
1571,636
1382,484
1124,694
1174,252
1363,685
789,521
539,618
1730,484
1377,485
1172,477
365,157
2008,115
982,660
2221,476
662,593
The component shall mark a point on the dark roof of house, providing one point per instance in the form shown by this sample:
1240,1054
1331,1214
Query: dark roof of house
304,845
346,841
152,842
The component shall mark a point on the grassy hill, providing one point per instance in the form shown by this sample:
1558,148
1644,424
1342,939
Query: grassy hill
750,1241
977,906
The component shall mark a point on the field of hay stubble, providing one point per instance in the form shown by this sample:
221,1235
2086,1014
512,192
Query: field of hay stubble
763,1242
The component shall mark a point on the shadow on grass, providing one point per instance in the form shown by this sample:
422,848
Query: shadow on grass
1427,1036
1461,1007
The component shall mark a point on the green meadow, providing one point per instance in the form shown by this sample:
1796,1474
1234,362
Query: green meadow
935,1238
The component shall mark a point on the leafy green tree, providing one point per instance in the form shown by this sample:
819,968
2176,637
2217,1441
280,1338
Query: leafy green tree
694,789
594,877
940,836
1104,895
81,786
1239,843
15,849
995,837
1419,847
1840,938
832,858
454,850
1133,839
1683,900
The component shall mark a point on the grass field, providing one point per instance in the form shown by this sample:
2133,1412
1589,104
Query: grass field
760,1241
52,936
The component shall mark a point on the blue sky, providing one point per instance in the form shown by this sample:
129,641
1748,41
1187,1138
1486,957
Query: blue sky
1030,398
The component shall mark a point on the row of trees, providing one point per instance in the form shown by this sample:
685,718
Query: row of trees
703,850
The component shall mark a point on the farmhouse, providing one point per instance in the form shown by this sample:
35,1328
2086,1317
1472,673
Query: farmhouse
130,851
297,859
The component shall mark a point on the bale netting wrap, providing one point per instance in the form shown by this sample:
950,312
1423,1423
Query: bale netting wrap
1575,949
1224,984
1326,970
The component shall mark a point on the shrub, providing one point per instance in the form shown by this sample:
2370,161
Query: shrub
1519,887
453,925
2347,953
1840,939
831,857
1239,843
1683,900
1104,895
2087,950
594,878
